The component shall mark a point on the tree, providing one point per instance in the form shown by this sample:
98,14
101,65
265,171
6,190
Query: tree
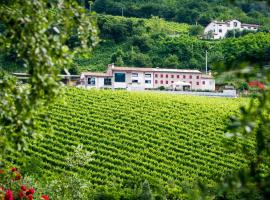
171,62
116,56
196,30
119,61
38,32
146,193
144,42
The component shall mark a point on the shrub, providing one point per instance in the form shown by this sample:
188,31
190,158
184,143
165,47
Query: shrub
13,187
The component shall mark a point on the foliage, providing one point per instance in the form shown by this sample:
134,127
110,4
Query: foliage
238,33
146,193
38,39
79,157
171,61
137,137
191,12
254,48
196,30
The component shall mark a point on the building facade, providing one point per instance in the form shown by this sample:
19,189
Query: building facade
133,78
218,30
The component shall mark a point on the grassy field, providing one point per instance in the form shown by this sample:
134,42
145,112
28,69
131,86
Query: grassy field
136,136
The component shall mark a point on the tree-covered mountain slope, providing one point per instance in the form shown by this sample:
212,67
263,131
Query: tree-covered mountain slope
187,11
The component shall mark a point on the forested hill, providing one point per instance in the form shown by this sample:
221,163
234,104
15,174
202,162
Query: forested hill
187,11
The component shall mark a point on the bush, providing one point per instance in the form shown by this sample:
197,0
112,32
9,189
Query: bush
12,186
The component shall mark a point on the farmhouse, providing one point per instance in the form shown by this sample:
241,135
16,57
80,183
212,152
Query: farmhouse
133,78
219,29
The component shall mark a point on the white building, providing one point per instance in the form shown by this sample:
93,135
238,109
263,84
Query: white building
218,30
133,78
207,82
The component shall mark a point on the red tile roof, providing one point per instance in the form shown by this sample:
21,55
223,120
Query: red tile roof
256,84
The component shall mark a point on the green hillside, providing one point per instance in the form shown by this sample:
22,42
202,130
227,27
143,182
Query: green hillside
188,11
138,136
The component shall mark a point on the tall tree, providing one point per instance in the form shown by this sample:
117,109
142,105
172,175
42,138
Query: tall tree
38,32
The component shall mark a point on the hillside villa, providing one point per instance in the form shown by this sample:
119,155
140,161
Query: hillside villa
219,29
134,78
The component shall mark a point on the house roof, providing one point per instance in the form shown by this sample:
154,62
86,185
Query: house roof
140,69
155,70
96,74
251,25
228,21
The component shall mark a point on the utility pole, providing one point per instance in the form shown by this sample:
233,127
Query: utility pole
206,61
90,6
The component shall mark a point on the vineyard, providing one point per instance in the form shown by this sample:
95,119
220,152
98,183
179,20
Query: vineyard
159,24
138,136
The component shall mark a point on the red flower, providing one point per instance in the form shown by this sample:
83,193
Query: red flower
21,195
30,191
29,197
13,169
9,195
45,197
23,188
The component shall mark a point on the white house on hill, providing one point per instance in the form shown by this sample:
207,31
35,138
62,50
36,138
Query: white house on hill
133,78
218,30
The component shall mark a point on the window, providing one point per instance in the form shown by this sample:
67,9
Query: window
184,76
92,81
167,75
235,24
148,81
172,76
156,75
190,76
198,77
120,77
220,30
203,82
156,82
161,75
190,82
198,83
135,81
147,75
107,81
178,76
134,74
167,82
172,81
161,82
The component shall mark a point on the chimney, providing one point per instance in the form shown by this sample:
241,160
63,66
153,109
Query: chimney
111,65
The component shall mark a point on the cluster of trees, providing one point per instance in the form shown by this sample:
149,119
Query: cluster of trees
188,11
141,45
